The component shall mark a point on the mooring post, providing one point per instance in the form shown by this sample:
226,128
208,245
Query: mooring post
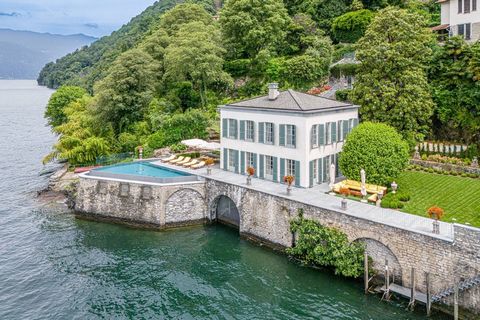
455,299
412,290
429,298
365,273
386,294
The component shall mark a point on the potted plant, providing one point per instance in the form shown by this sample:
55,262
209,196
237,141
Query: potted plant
209,162
250,174
436,213
289,181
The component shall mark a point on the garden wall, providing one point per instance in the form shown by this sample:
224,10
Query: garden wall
446,166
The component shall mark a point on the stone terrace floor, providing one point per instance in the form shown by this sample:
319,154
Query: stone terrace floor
317,196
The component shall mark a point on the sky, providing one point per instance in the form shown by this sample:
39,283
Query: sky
91,17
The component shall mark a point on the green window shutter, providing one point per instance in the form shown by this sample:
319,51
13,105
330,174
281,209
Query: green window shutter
282,169
242,130
262,166
275,166
237,165
282,135
334,132
345,129
335,161
321,134
310,174
320,170
255,166
328,128
339,130
295,136
253,133
261,132
242,162
224,128
297,173
324,169
225,159
273,133
236,129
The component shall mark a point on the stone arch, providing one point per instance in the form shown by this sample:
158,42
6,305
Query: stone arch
184,205
379,252
224,210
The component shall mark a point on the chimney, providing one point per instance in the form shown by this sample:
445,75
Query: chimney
273,91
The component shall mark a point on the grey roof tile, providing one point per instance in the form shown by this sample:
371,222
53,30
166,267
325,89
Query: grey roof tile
291,100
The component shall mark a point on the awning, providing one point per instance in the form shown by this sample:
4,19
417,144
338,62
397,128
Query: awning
441,27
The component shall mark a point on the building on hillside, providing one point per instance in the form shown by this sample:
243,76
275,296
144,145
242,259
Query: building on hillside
459,17
285,133
342,76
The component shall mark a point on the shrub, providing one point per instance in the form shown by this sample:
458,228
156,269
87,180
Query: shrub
178,147
435,212
238,68
342,94
327,247
377,148
351,26
127,142
392,203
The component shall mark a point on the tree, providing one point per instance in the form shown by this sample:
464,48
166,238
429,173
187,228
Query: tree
378,149
195,55
182,14
391,83
351,26
324,11
454,78
58,101
122,98
248,26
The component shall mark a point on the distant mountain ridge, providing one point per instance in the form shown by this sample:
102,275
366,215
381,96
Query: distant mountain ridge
24,53
84,67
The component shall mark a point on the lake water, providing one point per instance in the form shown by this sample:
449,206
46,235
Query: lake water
53,266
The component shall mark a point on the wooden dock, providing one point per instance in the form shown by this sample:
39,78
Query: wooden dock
405,292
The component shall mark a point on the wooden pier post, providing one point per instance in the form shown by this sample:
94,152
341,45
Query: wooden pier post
455,300
365,273
411,305
386,294
429,298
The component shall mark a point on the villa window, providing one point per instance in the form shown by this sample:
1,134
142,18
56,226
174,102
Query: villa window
249,132
465,6
328,135
232,128
290,167
231,160
315,171
291,136
269,133
269,167
250,159
465,30
314,136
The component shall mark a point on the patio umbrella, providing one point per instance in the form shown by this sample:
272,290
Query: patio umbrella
332,174
363,176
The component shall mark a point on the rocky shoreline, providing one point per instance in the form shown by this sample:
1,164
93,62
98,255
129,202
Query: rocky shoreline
61,189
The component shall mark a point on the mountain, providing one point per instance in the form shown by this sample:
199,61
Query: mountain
89,64
24,53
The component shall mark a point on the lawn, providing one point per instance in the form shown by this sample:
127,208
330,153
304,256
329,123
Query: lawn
459,197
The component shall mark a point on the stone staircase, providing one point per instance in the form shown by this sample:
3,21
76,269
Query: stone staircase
462,286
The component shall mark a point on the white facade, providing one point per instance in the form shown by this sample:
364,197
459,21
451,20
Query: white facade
310,154
461,17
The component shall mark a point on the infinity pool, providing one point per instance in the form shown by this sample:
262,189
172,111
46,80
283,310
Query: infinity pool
143,171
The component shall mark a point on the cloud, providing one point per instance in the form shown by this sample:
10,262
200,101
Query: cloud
10,14
91,25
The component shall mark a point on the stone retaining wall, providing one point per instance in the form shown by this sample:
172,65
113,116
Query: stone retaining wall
267,217
153,205
445,166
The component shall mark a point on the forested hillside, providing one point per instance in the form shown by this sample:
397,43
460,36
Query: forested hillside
159,79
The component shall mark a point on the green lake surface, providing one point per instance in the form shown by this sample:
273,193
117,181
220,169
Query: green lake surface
53,266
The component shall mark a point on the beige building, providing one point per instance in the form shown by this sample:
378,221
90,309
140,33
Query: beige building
460,17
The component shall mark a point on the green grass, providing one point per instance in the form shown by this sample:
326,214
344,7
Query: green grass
458,196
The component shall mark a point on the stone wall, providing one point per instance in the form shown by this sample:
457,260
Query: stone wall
445,166
153,205
266,217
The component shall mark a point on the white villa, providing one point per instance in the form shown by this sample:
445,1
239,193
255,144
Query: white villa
460,17
285,133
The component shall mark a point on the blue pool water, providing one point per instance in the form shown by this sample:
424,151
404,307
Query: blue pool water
142,169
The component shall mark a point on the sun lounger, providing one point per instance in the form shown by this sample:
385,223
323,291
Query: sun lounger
191,163
199,165
172,157
177,160
186,160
